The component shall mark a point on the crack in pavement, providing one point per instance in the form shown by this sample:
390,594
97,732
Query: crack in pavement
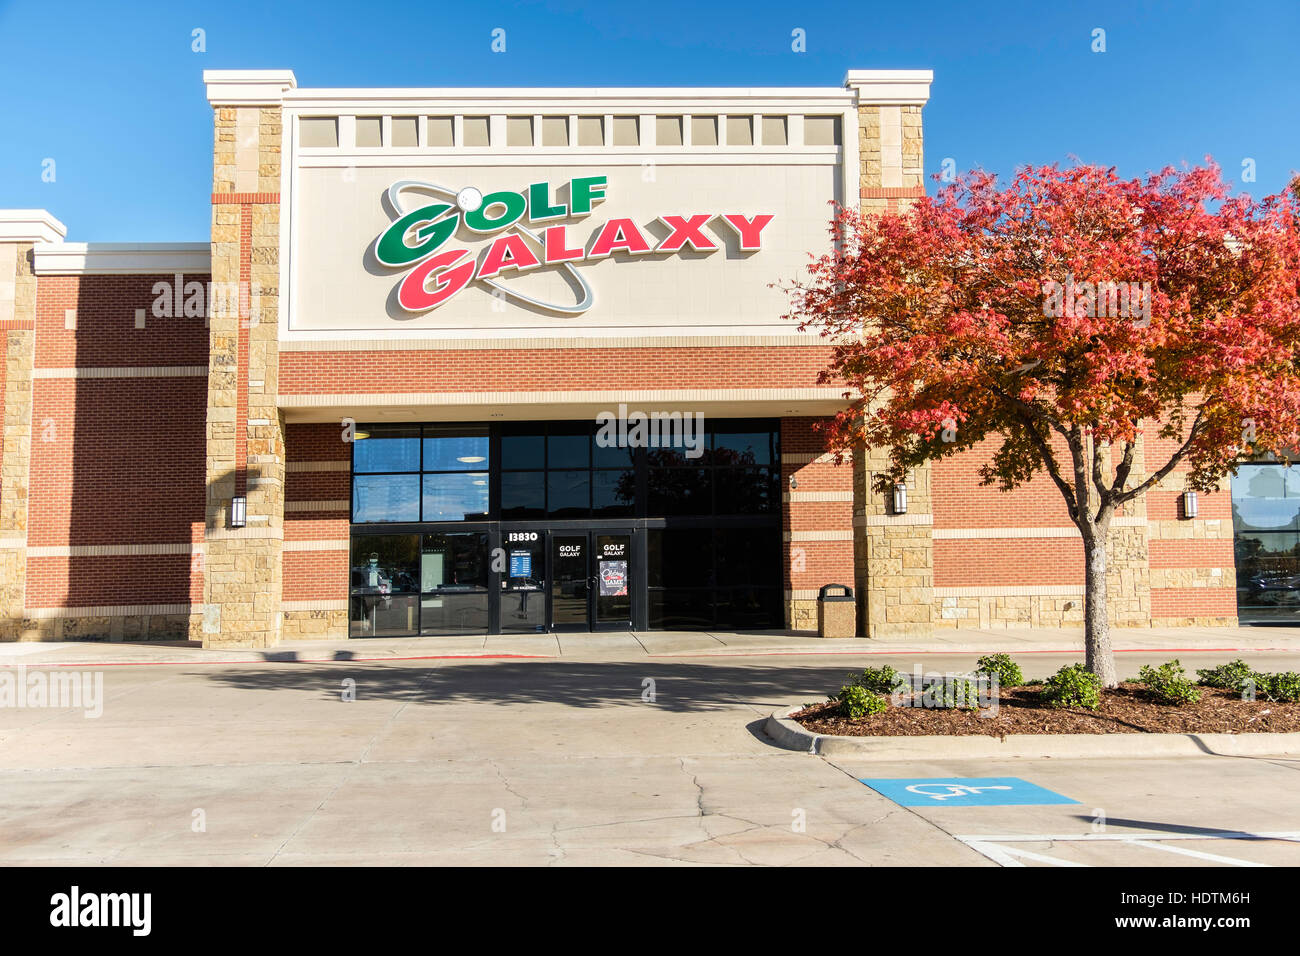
352,766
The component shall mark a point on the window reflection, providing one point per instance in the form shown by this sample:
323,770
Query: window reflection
1266,526
385,498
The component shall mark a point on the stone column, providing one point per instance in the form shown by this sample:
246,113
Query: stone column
893,554
20,229
245,431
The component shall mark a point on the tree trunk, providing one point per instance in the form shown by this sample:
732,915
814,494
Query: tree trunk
1096,624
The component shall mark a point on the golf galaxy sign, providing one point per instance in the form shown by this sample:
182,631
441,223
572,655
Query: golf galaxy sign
423,227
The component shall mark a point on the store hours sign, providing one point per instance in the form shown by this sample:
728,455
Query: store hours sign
512,233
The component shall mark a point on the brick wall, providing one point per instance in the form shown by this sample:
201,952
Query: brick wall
116,461
513,369
817,519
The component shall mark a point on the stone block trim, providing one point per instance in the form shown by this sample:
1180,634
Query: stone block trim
245,430
18,338
895,554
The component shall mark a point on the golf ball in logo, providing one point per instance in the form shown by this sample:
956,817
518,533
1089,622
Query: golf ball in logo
469,199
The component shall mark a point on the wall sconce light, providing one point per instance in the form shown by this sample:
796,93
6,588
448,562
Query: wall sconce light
900,499
238,511
1189,504
794,482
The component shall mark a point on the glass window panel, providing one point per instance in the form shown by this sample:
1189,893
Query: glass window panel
384,615
568,494
455,449
681,610
385,563
679,491
668,458
742,447
523,451
613,493
454,579
452,613
386,449
748,556
745,491
741,608
455,496
611,456
1268,576
569,450
679,557
523,494
1266,498
385,498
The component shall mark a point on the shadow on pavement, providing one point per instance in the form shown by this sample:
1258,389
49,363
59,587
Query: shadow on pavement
676,687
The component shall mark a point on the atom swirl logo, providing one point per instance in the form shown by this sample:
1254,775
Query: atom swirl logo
428,217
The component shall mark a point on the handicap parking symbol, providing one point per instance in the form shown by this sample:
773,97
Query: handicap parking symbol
964,792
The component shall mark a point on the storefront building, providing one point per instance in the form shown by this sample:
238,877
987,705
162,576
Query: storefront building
468,361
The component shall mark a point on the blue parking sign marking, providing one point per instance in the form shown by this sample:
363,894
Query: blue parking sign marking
963,792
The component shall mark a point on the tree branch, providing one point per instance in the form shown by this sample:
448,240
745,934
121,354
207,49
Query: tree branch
1053,469
1169,466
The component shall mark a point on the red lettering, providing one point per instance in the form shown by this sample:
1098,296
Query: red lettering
507,252
748,230
619,235
412,294
686,231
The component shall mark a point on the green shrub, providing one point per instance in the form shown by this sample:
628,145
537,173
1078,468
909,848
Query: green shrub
1228,676
1072,686
857,702
1282,688
1169,683
1008,671
880,680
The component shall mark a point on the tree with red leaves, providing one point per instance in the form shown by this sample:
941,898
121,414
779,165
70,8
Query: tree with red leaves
1067,315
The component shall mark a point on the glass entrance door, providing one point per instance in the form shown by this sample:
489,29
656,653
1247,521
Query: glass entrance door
590,581
613,592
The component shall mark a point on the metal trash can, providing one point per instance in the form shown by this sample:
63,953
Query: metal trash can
837,612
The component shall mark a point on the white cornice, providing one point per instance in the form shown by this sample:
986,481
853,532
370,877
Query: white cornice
248,87
890,87
578,99
30,225
123,258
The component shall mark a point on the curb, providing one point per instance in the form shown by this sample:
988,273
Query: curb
790,735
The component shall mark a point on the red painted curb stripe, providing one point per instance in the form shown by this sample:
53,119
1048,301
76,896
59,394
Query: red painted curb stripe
350,660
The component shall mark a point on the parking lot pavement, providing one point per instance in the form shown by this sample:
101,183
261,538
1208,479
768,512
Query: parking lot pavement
546,762
1197,811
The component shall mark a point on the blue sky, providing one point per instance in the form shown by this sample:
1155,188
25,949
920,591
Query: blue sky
113,92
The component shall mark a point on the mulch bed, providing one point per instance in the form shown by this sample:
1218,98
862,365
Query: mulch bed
1128,709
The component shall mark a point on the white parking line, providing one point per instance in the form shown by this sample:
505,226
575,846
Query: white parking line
996,848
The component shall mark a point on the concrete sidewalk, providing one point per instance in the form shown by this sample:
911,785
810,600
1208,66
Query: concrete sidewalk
623,645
